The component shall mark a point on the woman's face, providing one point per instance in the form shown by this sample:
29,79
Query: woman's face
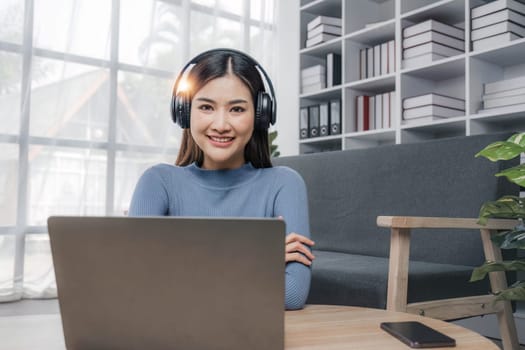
222,122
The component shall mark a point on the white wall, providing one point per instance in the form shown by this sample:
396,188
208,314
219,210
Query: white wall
286,82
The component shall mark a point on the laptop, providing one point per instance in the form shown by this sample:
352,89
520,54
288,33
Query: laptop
169,282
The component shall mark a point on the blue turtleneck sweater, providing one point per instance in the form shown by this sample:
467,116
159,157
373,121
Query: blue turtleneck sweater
244,192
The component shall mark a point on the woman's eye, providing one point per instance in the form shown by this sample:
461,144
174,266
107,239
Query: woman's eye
205,107
238,109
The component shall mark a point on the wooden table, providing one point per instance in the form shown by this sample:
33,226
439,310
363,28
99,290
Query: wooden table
344,327
315,327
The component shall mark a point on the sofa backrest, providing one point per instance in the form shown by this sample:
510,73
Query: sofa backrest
348,189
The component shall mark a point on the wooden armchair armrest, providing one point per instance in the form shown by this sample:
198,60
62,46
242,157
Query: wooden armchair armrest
400,229
408,222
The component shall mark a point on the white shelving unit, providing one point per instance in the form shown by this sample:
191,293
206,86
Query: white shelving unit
461,76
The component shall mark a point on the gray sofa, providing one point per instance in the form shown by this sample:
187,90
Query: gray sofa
349,189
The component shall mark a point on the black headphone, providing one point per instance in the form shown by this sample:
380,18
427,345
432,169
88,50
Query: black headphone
265,105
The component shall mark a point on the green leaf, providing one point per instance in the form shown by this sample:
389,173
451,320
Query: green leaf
515,174
514,239
501,150
518,139
507,207
491,266
513,293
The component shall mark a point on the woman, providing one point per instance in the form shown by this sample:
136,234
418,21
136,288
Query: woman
223,167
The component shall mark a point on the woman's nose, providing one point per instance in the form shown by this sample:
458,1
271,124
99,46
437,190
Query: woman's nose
220,120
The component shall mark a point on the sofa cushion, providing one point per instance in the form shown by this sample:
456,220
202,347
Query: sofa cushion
351,279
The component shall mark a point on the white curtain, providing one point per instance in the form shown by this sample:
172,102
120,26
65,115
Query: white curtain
85,87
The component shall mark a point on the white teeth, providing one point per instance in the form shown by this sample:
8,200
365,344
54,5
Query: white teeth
221,139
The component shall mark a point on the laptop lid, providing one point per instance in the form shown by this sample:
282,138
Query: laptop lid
169,282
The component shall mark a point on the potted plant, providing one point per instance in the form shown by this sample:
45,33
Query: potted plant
508,207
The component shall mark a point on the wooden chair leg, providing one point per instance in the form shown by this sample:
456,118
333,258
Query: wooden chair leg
498,281
398,269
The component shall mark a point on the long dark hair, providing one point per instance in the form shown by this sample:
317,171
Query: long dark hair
215,65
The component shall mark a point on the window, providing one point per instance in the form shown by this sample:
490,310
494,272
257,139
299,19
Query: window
85,88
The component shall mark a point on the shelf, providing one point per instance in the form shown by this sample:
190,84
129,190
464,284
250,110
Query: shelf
462,76
376,84
325,94
374,35
509,54
333,45
329,138
322,7
444,69
446,11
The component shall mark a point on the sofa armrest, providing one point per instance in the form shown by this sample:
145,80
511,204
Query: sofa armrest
400,228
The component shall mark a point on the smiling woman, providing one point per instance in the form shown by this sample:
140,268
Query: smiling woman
224,167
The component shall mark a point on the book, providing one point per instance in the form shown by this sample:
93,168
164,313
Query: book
392,109
421,60
377,60
430,47
362,64
313,121
433,99
431,110
391,56
435,26
313,70
497,28
362,113
335,117
504,101
333,21
378,110
313,79
504,85
370,62
435,37
494,41
306,89
372,112
324,119
385,116
496,17
320,38
303,122
333,69
505,93
497,5
324,28
421,120
384,58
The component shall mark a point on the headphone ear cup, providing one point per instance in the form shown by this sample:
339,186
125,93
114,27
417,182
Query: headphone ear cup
181,110
263,111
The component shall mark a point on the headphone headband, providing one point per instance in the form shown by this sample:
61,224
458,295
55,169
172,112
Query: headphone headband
266,106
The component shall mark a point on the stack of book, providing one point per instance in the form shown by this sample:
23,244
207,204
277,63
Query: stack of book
320,120
313,78
322,29
431,107
496,23
375,112
431,40
504,93
325,74
377,60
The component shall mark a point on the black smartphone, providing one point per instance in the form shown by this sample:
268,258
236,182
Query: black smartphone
417,335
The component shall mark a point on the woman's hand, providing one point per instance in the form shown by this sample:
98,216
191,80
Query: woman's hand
297,249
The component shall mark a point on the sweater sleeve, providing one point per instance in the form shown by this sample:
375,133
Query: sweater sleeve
150,197
292,204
